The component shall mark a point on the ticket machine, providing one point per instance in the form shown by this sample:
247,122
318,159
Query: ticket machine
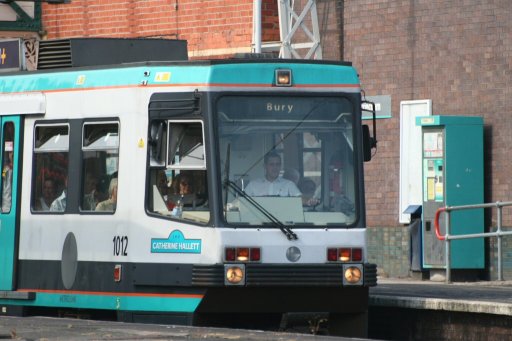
452,162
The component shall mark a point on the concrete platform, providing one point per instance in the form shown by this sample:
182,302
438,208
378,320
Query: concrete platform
487,297
403,309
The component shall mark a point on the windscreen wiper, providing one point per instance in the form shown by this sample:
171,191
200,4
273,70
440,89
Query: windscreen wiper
285,229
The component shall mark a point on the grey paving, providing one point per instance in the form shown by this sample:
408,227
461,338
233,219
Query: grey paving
56,329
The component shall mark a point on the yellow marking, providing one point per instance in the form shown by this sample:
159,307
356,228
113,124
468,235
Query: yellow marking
162,76
3,56
141,143
80,80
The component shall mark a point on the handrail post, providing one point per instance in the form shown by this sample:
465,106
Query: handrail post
447,246
499,213
447,237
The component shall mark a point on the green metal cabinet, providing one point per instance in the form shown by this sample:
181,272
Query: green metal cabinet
452,163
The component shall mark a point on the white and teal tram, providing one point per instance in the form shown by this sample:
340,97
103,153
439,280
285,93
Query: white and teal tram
130,136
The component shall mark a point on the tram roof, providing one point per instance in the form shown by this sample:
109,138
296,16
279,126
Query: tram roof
98,72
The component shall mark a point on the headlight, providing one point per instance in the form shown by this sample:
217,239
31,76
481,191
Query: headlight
352,274
234,274
283,77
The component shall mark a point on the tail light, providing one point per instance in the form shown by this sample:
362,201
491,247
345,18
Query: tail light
344,254
242,254
357,255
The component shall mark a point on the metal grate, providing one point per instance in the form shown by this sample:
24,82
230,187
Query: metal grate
54,54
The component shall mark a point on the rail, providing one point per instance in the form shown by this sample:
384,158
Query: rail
447,237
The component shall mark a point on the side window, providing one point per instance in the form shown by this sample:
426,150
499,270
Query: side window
51,155
180,189
7,165
100,150
186,148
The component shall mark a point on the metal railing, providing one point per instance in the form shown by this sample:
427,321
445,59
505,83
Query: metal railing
447,237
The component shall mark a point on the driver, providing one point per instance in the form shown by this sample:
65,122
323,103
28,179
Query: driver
272,184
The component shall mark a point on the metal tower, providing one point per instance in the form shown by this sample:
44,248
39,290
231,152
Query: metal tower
300,34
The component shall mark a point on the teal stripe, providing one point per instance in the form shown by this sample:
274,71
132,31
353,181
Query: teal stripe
228,74
301,73
110,302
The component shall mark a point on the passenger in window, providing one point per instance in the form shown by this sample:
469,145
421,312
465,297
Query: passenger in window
45,200
182,190
92,196
7,183
272,184
109,204
338,200
59,204
162,184
308,187
182,185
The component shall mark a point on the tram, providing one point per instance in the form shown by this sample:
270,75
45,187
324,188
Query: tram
125,188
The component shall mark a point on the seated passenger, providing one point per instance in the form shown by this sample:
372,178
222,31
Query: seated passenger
338,200
7,182
109,204
92,196
272,184
59,204
181,190
45,200
308,187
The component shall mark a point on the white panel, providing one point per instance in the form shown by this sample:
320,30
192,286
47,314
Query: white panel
410,155
8,14
17,104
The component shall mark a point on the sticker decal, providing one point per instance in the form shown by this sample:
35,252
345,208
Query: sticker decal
175,243
80,80
161,77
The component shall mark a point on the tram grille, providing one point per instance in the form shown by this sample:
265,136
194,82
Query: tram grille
326,275
370,275
314,275
208,276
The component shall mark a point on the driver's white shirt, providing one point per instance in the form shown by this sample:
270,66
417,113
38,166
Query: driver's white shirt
279,187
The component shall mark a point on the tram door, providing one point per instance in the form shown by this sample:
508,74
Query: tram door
9,152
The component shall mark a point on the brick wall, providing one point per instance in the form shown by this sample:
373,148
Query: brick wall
213,28
506,257
459,54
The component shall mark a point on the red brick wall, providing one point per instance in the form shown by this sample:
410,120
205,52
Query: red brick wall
212,28
459,54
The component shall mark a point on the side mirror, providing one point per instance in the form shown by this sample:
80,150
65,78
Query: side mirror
367,143
157,136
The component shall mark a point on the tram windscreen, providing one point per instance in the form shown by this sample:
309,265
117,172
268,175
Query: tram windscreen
287,159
